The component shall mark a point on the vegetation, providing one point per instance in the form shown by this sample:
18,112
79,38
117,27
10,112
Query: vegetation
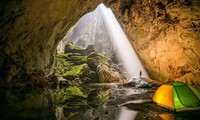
97,98
70,65
73,97
79,65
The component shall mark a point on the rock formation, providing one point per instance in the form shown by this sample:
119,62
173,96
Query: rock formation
165,34
78,65
30,32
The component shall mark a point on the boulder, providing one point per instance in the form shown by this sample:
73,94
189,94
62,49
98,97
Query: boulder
87,73
107,75
94,59
70,48
138,83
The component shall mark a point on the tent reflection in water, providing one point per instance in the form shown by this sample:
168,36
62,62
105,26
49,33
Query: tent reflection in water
177,96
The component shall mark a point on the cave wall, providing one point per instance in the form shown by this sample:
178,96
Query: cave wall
30,32
165,34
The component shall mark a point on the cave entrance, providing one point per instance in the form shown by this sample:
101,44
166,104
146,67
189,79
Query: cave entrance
99,31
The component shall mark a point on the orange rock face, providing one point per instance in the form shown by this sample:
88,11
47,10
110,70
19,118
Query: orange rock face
166,35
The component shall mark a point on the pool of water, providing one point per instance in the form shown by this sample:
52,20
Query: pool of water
122,104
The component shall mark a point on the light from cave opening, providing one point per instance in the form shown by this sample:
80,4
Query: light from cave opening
127,54
101,29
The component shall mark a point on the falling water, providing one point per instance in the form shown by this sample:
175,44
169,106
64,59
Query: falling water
101,29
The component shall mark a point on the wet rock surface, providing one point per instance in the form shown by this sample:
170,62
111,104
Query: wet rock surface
142,83
138,83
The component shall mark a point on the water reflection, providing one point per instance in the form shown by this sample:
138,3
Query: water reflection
25,104
152,113
126,114
43,104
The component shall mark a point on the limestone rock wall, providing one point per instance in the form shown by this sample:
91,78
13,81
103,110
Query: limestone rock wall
30,31
165,34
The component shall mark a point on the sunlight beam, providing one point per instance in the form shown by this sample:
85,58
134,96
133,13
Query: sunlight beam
127,54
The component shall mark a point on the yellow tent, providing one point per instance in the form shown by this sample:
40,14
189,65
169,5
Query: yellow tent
177,96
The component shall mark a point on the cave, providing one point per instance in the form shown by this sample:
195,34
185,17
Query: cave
83,58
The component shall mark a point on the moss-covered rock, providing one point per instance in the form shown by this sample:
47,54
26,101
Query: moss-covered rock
70,48
75,58
94,59
74,71
87,73
84,66
72,66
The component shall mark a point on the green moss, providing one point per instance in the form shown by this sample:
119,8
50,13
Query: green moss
70,64
72,57
74,98
70,48
95,59
78,65
62,65
75,70
96,54
73,47
97,98
105,95
70,91
62,61
70,98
